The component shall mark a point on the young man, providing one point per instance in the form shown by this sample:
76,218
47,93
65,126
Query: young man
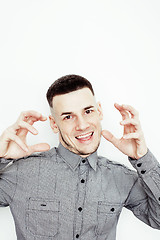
70,192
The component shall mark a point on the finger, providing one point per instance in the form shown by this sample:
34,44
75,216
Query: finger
124,113
131,121
110,137
26,126
32,120
135,135
24,116
18,141
30,117
125,116
41,147
131,110
23,131
22,128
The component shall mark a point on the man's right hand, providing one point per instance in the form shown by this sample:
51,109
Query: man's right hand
13,140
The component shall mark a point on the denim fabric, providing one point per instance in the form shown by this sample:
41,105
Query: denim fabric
57,195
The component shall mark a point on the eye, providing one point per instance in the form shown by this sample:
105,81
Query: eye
68,117
88,111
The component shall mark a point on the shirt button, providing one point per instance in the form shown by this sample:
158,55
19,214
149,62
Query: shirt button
159,198
143,171
139,164
77,236
83,161
80,209
112,209
82,181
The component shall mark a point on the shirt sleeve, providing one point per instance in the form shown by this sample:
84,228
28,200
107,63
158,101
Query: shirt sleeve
144,197
8,181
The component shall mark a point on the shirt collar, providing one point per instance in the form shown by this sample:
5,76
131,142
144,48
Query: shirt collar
73,159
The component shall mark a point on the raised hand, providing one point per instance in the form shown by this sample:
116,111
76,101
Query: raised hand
132,143
13,140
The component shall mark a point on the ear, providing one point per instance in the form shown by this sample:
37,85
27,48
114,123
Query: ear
99,108
53,124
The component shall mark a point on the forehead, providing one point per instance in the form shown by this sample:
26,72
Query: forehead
74,101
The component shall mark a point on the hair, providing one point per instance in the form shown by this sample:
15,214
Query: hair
67,84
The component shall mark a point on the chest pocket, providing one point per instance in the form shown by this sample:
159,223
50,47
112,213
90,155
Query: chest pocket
107,217
42,217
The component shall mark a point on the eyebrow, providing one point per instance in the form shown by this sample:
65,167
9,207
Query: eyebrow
68,113
86,108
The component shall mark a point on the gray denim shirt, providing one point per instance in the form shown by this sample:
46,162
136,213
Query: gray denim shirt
57,195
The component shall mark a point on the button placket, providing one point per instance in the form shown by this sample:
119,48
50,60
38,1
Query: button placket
83,173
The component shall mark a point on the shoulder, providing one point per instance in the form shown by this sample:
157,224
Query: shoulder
46,155
121,174
114,166
31,159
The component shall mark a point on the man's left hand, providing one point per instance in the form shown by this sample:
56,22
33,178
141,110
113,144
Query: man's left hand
132,143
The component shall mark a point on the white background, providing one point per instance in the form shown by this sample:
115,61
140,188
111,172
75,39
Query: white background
115,44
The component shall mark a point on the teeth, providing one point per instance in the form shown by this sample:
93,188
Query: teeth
84,136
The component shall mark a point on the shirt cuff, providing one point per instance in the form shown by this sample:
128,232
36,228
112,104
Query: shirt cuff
4,163
144,164
4,160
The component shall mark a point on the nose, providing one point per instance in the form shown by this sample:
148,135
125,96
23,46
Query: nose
81,124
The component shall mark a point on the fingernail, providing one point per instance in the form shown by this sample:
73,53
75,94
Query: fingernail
44,118
35,131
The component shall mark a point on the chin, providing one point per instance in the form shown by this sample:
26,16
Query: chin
88,150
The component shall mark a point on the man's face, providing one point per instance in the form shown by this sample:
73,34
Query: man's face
77,116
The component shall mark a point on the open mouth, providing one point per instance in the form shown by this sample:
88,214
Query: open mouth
85,137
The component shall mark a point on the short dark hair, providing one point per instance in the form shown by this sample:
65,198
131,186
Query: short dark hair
67,84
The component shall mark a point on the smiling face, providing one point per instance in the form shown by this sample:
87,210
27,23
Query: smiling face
77,117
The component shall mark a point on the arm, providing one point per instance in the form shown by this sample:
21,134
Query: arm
13,146
144,197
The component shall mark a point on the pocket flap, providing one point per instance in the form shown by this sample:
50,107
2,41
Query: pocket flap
44,205
109,208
